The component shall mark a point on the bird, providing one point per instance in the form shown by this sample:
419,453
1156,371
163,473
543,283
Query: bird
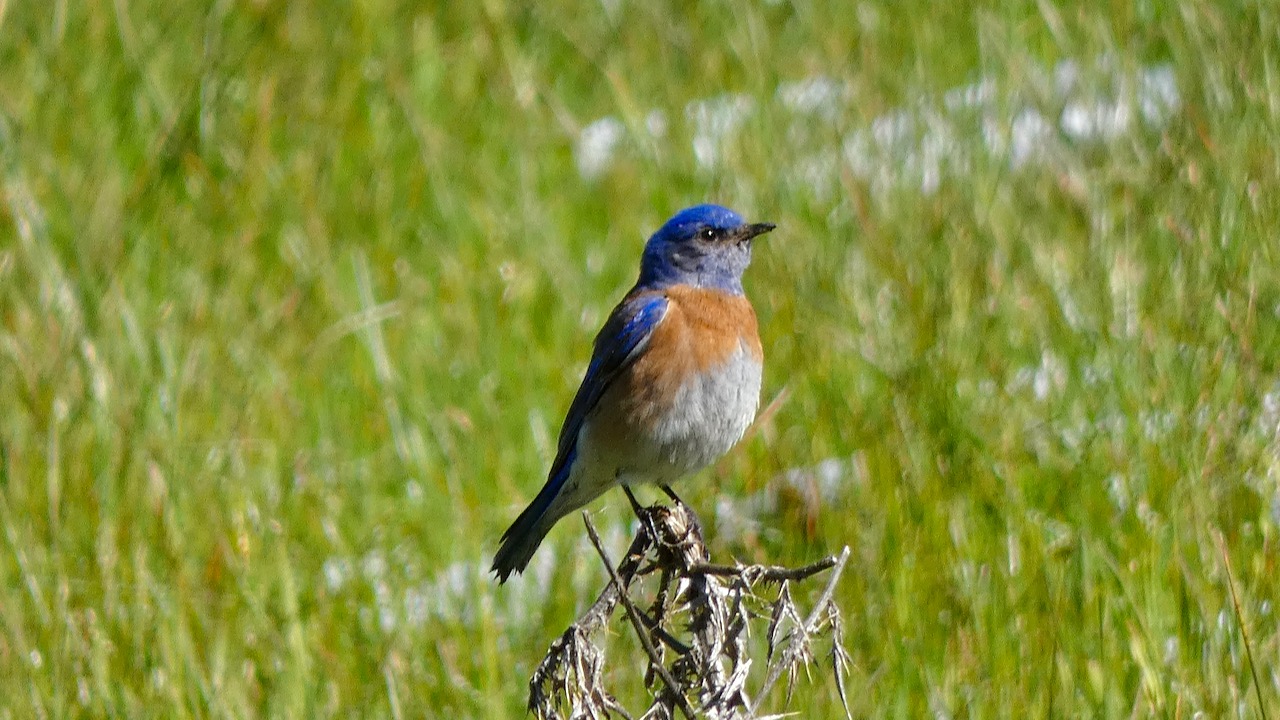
673,382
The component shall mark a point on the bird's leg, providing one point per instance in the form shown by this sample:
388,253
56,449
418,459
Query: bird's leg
643,514
635,504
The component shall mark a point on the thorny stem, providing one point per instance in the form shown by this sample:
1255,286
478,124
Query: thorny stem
596,617
634,615
768,573
668,541
598,614
810,624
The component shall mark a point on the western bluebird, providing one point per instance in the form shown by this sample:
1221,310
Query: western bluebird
673,382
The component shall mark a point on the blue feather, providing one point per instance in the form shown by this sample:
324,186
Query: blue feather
620,340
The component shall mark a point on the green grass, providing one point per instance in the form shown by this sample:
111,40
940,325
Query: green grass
292,301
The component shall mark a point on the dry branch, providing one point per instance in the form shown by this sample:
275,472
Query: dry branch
693,628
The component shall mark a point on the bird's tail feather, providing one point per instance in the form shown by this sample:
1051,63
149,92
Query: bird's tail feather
519,542
524,536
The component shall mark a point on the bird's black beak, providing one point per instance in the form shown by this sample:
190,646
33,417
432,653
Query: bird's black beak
754,229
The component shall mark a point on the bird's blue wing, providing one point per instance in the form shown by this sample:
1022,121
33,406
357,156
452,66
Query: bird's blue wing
623,337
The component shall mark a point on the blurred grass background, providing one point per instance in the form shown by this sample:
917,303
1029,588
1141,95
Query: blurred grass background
293,299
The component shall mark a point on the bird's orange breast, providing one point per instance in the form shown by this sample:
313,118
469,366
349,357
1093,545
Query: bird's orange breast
701,332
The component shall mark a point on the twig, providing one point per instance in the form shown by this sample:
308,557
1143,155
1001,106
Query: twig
768,573
671,641
711,671
810,623
564,654
634,615
598,614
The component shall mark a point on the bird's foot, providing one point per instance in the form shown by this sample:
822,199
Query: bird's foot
694,524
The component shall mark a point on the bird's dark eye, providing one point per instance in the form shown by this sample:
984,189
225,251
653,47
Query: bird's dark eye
707,234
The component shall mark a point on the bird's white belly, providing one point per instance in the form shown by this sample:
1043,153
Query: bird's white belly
705,417
708,415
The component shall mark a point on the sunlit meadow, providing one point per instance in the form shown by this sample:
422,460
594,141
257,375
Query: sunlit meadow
293,298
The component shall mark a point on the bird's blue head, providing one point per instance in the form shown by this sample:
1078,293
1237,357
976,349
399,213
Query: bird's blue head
705,246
